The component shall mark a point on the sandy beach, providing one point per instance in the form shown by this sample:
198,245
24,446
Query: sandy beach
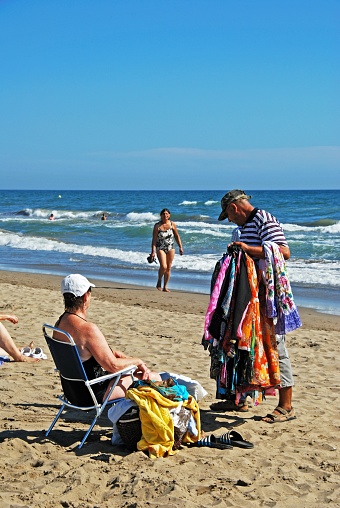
292,464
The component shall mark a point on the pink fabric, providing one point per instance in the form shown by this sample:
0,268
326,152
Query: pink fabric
214,297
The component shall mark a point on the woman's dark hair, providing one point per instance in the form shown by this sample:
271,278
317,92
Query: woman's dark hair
74,302
165,210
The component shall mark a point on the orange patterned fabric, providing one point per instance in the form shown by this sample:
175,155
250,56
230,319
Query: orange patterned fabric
258,335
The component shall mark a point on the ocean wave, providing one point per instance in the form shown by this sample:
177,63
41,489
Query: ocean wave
330,228
41,213
216,226
146,216
210,202
318,273
185,203
320,222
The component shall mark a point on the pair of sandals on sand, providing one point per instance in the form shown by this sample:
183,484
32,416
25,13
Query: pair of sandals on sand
33,352
224,442
279,415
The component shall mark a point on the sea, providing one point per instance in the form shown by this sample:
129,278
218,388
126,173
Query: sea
78,241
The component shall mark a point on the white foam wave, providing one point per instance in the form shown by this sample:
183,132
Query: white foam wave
316,273
41,213
334,228
202,225
208,232
185,203
148,217
46,245
210,202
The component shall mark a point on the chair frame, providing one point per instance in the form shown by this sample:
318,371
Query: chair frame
82,377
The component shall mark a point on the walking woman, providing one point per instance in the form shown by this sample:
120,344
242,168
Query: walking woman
163,243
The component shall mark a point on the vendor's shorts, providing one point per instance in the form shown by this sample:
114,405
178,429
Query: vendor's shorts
284,362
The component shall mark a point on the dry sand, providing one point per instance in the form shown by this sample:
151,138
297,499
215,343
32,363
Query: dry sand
293,464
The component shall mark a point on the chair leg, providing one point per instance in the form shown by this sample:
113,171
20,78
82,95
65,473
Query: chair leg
55,420
88,432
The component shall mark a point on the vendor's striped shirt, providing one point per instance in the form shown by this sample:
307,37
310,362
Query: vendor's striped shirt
262,227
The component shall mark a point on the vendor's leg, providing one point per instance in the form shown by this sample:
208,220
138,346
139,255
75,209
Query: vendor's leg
161,255
287,383
285,398
169,260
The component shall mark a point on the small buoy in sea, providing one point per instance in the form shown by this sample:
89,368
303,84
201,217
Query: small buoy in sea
59,196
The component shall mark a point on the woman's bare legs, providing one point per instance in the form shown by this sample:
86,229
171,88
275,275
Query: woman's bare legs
169,259
7,344
161,255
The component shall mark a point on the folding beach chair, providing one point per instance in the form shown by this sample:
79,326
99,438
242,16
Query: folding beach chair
70,368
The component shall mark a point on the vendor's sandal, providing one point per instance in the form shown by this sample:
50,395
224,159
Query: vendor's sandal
233,438
283,416
229,405
211,442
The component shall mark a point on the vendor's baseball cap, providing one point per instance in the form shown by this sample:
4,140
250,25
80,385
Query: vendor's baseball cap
230,197
76,284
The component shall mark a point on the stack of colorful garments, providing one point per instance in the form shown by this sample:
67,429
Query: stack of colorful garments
240,322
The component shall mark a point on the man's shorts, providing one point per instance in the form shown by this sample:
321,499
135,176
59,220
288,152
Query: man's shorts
284,362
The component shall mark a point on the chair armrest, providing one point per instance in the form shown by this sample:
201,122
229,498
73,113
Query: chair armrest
123,372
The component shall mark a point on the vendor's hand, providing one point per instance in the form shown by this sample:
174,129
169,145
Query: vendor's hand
240,245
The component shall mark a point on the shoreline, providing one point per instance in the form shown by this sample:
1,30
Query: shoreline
175,301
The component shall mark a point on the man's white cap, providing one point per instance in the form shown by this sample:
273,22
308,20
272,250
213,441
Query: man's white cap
76,284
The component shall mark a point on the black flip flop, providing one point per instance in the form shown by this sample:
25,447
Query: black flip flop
212,442
234,438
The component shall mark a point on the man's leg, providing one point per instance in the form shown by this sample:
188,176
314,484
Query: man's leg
284,411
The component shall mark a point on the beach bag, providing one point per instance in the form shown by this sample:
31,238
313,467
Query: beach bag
129,428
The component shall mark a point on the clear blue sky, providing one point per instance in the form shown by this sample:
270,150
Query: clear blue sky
169,94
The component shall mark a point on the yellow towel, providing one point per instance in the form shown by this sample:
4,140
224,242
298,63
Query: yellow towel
157,423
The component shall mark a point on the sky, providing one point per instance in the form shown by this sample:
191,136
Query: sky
169,94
